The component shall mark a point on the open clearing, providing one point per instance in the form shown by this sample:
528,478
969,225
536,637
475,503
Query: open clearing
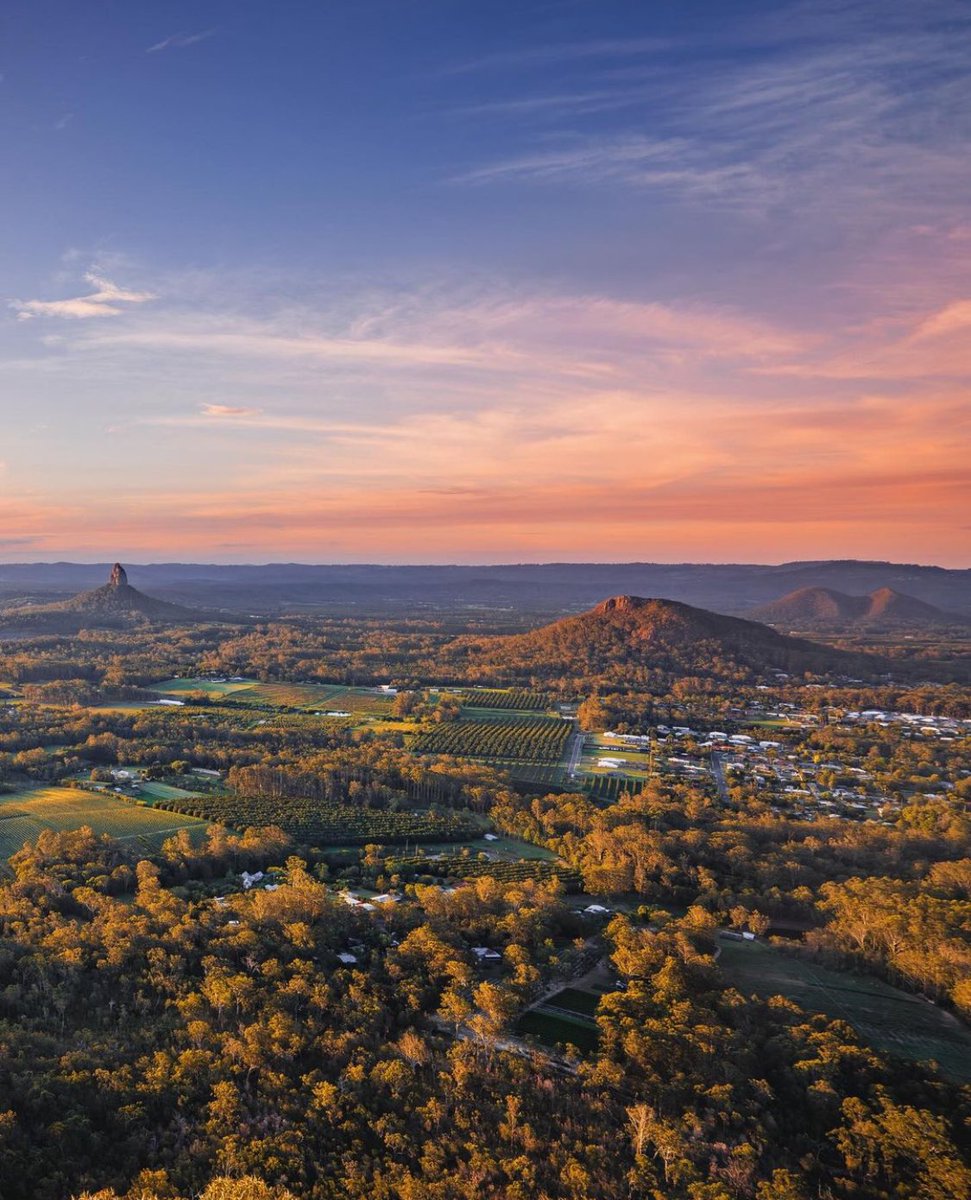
554,1028
506,849
889,1019
325,697
221,687
24,814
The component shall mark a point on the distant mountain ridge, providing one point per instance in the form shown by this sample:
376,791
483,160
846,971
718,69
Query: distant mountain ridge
819,607
627,633
545,588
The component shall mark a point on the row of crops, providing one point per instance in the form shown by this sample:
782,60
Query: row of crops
507,698
610,787
325,823
462,867
540,740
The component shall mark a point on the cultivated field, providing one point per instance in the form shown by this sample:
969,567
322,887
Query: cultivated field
458,866
24,814
223,687
325,697
533,740
887,1018
325,823
516,699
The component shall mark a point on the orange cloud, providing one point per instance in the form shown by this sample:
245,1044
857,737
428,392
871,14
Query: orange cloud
506,427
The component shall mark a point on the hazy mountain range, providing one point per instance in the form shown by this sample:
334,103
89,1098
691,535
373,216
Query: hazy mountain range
733,588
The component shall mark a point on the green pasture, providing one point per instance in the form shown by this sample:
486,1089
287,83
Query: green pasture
177,687
307,696
24,814
506,849
151,790
573,1000
890,1020
559,1028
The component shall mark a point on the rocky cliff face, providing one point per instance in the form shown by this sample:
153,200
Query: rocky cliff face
114,603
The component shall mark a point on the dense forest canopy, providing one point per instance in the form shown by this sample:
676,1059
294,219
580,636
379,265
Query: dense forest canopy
391,944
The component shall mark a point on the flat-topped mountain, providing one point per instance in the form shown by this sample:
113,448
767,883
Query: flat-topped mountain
826,608
628,634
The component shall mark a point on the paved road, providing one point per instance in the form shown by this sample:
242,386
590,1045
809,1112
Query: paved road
576,752
719,774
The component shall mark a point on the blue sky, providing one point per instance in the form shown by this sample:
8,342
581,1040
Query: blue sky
457,281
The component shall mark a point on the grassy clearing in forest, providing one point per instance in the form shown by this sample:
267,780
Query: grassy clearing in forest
553,1029
222,687
893,1021
24,814
318,696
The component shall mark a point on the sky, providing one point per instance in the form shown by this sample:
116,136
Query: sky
485,281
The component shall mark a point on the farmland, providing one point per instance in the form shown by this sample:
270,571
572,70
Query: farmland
532,740
329,697
25,814
889,1019
327,823
514,699
211,687
457,866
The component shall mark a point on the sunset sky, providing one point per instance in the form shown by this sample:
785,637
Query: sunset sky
485,280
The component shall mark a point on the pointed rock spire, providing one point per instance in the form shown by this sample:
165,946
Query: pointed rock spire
118,578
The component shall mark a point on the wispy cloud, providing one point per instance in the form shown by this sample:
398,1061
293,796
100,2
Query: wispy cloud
107,300
227,410
178,41
489,420
953,318
835,119
671,165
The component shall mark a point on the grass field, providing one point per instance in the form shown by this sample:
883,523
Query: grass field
506,849
889,1019
559,1028
175,687
572,1000
308,696
24,814
162,791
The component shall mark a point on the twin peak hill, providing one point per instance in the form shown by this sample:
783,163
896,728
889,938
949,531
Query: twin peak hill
624,637
825,608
